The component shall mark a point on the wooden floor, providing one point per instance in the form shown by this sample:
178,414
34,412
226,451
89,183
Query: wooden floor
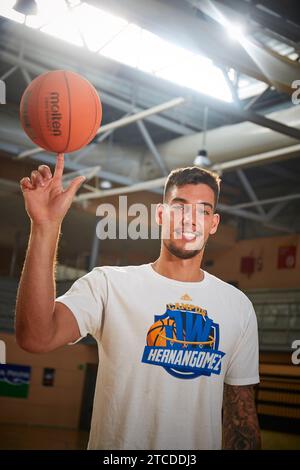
37,438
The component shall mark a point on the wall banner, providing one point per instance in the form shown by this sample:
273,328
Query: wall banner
14,380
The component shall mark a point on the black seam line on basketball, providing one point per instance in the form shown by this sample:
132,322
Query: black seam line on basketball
160,332
156,327
43,137
95,114
152,329
70,111
160,326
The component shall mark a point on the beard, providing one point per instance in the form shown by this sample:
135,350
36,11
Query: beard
181,253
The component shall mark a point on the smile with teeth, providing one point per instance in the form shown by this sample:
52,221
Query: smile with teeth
189,235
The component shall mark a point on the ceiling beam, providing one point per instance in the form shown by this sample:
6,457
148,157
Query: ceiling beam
258,159
281,172
124,121
178,24
250,191
152,147
160,121
107,98
251,216
274,211
273,22
218,105
271,200
149,185
155,186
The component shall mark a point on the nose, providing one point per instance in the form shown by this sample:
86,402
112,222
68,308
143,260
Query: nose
189,217
193,218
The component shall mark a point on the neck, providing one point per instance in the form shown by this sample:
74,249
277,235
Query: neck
186,270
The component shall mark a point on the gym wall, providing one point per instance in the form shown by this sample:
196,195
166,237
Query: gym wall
58,405
226,264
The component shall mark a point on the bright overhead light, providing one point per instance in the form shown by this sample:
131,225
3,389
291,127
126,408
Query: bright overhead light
236,31
105,184
7,11
97,26
202,159
198,73
63,27
126,47
26,7
128,43
47,13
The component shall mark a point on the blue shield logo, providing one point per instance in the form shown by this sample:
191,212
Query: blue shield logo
185,341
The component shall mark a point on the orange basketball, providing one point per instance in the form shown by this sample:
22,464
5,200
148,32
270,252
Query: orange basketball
156,335
60,111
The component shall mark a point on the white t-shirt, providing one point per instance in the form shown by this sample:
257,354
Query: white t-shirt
166,347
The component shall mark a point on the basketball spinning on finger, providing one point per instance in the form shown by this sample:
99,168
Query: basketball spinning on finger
60,111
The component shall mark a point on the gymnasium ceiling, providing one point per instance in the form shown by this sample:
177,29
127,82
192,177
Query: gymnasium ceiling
274,28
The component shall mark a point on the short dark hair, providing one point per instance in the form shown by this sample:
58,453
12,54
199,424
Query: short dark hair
193,175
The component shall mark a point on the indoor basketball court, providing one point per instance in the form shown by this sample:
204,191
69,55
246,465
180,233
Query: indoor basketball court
113,115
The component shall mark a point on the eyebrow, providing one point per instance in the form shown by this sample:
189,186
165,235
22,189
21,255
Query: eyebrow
180,199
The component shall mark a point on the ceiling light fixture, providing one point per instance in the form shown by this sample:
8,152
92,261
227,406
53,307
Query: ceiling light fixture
26,7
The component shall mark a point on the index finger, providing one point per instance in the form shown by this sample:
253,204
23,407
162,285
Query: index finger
59,166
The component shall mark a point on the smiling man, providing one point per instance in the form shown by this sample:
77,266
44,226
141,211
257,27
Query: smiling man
177,346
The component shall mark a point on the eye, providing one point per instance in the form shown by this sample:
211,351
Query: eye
203,211
178,207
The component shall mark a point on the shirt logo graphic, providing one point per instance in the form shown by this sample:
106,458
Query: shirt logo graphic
185,297
184,341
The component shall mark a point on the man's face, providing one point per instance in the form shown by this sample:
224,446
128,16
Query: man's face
187,219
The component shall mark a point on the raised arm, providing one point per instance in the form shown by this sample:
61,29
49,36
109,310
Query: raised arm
240,423
41,324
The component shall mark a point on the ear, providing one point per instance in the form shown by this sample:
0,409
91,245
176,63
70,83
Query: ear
159,213
215,224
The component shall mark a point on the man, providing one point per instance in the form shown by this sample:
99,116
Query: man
176,344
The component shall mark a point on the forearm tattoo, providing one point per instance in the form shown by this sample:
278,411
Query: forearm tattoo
240,422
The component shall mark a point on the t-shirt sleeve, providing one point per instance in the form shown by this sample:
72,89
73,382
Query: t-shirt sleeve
87,298
243,367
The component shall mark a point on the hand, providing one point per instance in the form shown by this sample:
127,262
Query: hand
45,199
